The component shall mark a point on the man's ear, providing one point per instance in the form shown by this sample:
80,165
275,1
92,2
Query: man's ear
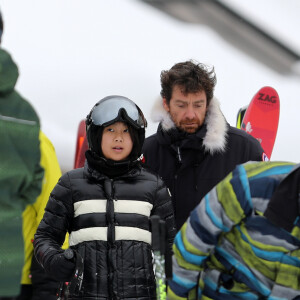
166,105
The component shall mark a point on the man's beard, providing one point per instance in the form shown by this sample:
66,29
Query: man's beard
189,128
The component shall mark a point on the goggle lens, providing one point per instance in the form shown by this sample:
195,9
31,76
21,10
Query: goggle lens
108,110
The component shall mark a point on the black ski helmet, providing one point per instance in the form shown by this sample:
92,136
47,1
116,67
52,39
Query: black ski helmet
113,109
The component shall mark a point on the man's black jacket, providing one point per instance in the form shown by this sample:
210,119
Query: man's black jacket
192,164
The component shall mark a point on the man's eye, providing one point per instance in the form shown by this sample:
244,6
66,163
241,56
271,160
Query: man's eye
126,130
110,129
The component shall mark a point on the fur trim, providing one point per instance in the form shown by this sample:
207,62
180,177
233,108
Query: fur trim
216,135
215,138
159,114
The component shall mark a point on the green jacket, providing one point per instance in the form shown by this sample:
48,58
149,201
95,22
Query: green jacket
20,173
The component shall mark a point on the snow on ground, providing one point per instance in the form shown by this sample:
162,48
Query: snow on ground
72,53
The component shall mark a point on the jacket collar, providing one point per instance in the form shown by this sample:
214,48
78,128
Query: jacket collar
99,169
215,138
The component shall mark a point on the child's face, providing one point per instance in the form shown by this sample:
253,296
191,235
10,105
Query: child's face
116,141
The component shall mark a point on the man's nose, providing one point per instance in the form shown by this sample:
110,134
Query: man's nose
190,113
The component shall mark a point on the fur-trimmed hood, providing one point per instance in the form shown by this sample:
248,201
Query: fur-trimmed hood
216,135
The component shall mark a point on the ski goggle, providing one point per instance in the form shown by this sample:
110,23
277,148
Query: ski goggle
116,108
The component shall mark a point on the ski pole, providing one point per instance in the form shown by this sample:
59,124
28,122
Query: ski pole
159,245
74,286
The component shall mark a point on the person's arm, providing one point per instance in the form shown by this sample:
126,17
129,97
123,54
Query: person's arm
51,232
35,187
43,284
163,207
149,150
256,152
226,205
31,156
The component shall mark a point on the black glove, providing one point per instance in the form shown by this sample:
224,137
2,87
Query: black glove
26,292
62,268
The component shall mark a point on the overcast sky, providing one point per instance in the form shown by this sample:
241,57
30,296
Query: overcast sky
72,53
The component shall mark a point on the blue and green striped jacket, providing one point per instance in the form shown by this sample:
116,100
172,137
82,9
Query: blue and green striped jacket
228,250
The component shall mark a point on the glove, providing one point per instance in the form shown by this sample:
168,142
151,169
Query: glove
62,268
26,292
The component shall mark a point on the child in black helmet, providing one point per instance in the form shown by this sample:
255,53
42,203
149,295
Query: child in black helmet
105,207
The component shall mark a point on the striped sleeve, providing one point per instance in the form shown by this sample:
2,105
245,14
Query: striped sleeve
226,205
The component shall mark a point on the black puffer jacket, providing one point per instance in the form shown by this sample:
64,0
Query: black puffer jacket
192,164
108,222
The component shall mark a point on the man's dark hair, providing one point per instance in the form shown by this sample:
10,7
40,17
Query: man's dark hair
191,77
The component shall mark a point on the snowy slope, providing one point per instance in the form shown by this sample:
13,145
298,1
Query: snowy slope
73,53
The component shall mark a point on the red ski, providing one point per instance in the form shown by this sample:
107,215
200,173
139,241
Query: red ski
81,146
262,117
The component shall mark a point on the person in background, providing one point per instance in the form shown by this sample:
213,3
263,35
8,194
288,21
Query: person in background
243,240
105,207
194,147
35,283
20,172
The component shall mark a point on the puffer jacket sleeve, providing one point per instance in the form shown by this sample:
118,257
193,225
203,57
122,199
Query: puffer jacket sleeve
226,205
163,207
56,222
255,150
